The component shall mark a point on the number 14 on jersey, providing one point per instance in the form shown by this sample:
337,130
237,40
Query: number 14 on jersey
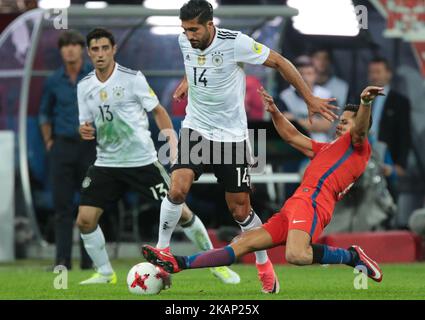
202,78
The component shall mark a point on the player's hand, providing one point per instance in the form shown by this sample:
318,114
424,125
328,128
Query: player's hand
323,107
268,101
387,170
87,131
370,93
181,91
49,145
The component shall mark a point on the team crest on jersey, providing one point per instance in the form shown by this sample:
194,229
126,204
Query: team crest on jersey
187,57
103,95
118,92
217,59
257,47
86,182
201,60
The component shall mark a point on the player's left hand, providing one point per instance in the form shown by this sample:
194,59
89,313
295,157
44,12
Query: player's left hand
323,107
268,101
87,131
181,91
371,92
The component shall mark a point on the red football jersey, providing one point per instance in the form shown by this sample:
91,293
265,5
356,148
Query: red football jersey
333,170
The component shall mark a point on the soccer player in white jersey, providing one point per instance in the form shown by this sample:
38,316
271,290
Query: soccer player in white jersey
115,100
215,84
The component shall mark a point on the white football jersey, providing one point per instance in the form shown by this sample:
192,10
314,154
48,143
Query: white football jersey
216,98
118,108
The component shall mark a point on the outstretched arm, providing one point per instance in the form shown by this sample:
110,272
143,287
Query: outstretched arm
291,74
360,129
285,128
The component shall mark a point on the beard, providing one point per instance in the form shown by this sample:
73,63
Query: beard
201,44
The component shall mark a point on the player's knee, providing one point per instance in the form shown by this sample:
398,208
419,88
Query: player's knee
240,211
177,195
239,215
85,225
295,256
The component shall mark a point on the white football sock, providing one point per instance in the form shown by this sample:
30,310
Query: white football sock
168,219
251,222
95,245
197,233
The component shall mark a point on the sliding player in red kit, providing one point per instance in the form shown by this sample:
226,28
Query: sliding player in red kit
333,170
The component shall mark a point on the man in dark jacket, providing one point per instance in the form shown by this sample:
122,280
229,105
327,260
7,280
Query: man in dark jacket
391,115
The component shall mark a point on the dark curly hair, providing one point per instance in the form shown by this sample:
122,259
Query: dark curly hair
99,33
355,108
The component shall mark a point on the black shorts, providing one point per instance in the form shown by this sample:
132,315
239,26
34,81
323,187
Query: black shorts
229,161
105,184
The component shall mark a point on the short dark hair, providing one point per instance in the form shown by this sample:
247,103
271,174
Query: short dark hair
200,9
98,33
303,61
381,60
317,49
355,108
70,37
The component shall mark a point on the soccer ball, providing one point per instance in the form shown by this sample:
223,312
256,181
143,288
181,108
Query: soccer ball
145,278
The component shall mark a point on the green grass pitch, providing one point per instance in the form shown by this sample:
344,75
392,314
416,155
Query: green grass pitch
30,280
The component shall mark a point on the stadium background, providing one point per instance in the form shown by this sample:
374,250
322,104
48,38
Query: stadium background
28,230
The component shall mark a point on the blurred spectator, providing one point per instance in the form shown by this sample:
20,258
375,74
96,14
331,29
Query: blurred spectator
295,107
322,61
253,102
411,187
69,156
391,115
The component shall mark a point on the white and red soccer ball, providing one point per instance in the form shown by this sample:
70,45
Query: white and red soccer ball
146,278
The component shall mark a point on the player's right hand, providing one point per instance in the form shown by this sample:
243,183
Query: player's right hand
87,131
181,91
267,101
317,105
49,145
371,92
